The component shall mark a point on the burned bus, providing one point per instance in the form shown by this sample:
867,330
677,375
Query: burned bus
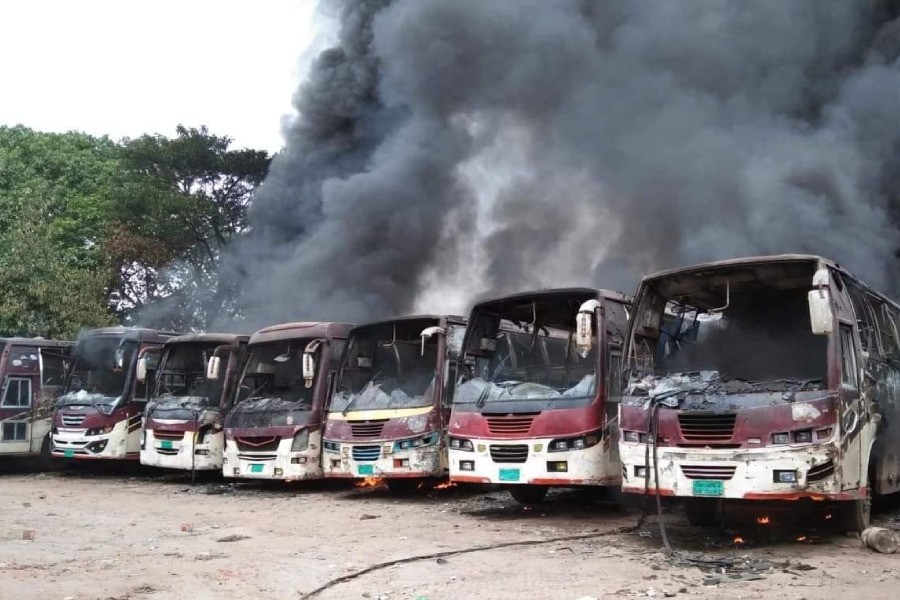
532,408
388,415
762,379
194,387
98,416
32,371
274,429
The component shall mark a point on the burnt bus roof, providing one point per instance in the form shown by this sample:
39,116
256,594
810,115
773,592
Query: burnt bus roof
209,338
39,342
594,292
762,260
305,329
406,318
139,334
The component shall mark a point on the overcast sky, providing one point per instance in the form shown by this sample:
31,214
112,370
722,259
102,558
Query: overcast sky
127,67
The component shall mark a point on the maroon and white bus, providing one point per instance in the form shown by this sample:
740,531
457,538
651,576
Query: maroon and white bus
98,416
532,408
773,378
388,415
32,371
274,429
195,385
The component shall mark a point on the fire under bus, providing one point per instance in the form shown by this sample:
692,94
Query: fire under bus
274,430
32,372
98,416
389,412
762,379
194,387
532,408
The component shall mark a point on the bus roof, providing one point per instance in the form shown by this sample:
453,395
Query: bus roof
129,333
304,329
407,318
39,342
208,338
595,292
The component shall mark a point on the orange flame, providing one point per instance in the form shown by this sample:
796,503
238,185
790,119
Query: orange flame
763,520
738,540
801,538
369,482
828,516
445,485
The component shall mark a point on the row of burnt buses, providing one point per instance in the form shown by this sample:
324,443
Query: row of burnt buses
766,379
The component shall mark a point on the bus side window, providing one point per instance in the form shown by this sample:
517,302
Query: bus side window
848,357
54,367
864,318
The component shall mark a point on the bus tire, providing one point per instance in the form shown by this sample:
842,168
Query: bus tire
404,486
46,460
701,512
857,514
528,494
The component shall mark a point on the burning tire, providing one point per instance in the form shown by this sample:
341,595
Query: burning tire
528,494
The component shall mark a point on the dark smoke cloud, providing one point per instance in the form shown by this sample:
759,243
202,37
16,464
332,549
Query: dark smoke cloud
618,137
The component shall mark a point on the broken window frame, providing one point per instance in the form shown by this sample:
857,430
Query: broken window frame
19,381
848,356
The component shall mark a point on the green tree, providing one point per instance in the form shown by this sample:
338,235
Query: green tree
175,205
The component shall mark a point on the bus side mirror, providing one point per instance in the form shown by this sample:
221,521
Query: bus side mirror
142,369
212,368
821,318
584,340
427,333
309,362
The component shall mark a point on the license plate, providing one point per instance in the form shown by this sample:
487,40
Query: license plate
509,474
256,468
705,487
167,445
366,469
69,453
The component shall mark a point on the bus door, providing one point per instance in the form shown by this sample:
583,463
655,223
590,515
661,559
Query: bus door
17,400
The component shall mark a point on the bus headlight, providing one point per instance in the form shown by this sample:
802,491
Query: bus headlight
331,446
635,436
462,444
575,443
301,441
419,442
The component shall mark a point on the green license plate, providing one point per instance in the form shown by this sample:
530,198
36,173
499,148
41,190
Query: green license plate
69,453
509,474
167,445
256,468
705,487
366,469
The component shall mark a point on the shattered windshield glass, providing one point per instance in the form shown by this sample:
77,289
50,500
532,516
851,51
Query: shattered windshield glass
95,379
385,367
510,358
736,332
275,370
183,374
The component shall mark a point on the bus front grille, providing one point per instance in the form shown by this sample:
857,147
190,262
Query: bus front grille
511,453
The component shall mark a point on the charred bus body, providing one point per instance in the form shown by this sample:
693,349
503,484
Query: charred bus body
388,415
274,429
773,378
532,409
98,416
32,373
194,387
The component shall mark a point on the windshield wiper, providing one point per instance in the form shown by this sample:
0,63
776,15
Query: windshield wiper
369,383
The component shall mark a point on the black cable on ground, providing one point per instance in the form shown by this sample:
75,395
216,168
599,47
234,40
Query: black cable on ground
435,555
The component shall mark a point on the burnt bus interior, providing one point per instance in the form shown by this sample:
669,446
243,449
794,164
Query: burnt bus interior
526,346
183,373
745,322
95,370
387,366
275,370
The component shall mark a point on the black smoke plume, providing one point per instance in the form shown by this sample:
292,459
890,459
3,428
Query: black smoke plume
445,150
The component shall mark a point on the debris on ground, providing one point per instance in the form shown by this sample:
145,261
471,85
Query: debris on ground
881,540
235,537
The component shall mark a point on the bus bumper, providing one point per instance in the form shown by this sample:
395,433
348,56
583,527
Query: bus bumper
76,443
489,462
283,464
379,459
183,454
788,473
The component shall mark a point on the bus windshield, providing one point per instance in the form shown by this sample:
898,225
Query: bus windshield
385,366
748,328
183,373
275,371
95,377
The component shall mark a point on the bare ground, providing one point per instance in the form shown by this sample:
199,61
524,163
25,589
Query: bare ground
124,533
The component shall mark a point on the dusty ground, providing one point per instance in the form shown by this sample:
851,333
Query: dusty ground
125,533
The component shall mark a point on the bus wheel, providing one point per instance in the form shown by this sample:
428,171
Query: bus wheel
857,514
405,486
701,512
528,494
47,461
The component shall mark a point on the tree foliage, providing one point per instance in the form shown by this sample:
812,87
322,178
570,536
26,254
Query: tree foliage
93,231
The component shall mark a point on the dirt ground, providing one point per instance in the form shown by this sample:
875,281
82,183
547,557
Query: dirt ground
125,533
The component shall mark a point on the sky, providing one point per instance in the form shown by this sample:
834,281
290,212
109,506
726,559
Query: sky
129,67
